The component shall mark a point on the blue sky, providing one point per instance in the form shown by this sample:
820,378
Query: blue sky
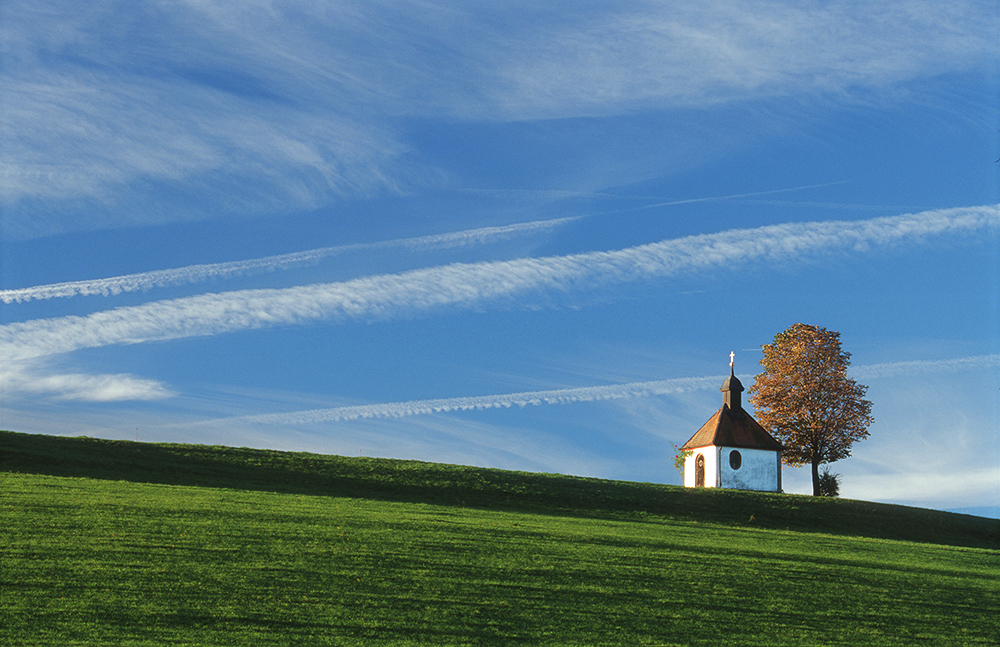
521,235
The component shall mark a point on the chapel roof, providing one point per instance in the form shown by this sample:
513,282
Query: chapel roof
733,428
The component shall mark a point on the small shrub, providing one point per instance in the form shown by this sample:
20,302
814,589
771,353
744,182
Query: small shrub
829,483
680,457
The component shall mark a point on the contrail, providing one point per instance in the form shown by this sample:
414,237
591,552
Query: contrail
583,394
897,369
735,196
198,273
203,272
503,401
618,196
474,285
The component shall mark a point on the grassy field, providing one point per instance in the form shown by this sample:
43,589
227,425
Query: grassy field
124,543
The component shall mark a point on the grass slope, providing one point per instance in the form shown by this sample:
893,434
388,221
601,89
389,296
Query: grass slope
419,482
128,544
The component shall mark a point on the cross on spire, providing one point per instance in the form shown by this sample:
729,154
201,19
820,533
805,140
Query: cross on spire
732,357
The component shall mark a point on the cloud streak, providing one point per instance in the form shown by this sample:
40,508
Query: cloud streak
916,367
584,394
476,285
203,272
504,401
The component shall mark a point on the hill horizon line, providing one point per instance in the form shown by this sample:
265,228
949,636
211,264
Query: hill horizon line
412,481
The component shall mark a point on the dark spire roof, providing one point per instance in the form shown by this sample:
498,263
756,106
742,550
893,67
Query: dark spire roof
732,382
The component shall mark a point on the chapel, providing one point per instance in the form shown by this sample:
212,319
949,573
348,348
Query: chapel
732,450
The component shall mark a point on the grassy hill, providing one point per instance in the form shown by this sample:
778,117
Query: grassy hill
433,483
111,542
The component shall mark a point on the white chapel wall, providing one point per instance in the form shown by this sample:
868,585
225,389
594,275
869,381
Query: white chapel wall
758,469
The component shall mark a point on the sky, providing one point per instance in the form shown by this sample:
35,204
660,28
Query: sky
515,235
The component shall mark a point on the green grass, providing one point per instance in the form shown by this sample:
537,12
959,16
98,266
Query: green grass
471,487
155,544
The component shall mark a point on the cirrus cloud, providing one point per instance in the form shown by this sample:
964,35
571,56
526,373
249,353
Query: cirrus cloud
259,108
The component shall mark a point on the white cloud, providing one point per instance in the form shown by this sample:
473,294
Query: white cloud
102,388
33,379
475,285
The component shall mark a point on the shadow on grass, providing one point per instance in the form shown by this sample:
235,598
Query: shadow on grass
481,488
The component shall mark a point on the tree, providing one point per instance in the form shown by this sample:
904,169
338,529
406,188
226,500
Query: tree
805,399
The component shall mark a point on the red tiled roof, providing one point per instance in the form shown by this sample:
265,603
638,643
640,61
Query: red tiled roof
728,428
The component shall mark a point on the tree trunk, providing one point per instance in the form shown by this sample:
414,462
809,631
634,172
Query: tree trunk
815,472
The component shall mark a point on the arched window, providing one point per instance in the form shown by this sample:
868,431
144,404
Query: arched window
699,471
735,460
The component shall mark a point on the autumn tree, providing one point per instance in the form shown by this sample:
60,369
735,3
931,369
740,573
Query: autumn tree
805,399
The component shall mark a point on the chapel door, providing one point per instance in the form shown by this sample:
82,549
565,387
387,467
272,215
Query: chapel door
699,471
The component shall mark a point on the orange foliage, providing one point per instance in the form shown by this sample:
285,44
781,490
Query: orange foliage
805,399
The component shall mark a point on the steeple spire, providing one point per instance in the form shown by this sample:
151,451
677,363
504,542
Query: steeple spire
732,387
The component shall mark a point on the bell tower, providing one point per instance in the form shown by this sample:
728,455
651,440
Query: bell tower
732,388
